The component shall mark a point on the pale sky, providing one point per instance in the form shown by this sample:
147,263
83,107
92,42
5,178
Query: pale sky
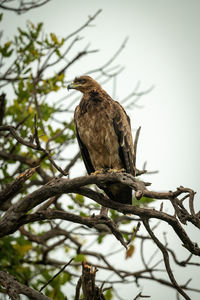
163,50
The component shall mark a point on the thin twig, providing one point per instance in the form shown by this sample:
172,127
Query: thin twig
166,259
135,144
62,269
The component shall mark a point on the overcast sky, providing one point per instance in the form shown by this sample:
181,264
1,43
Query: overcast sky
163,50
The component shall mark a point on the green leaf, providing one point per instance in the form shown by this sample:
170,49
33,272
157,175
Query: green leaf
143,201
82,214
47,276
126,236
65,277
39,28
46,111
27,71
54,38
114,214
22,32
79,258
58,53
100,239
108,295
79,198
146,200
5,49
70,206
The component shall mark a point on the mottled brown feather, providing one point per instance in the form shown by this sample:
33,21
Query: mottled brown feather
104,135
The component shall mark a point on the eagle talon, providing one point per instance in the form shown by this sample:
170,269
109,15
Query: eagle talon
97,172
115,170
107,170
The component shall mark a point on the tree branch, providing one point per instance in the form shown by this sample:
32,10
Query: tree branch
14,288
15,216
23,6
166,259
12,189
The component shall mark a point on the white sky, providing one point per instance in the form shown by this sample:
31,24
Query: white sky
163,50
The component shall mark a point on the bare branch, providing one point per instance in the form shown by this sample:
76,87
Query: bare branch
24,6
2,107
135,144
166,259
61,270
90,290
12,189
141,296
14,288
31,145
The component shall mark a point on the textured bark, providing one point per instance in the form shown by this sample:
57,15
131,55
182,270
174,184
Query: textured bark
90,290
15,288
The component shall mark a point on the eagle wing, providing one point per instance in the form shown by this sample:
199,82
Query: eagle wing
122,127
84,152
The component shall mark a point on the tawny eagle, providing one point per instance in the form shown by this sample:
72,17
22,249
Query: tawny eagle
104,135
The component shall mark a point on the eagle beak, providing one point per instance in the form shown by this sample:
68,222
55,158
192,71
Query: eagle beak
71,86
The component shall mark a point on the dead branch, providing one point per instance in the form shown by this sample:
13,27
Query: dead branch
29,144
2,107
90,290
14,288
12,189
166,259
15,216
23,7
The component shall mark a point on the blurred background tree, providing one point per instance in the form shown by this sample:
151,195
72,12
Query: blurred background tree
53,244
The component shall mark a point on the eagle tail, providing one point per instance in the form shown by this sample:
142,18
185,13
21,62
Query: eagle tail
119,193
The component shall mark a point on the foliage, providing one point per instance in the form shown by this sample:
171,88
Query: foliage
29,51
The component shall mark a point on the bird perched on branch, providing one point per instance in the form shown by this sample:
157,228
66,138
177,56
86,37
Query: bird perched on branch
104,135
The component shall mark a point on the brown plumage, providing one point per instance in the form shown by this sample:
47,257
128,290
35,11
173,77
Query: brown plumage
104,134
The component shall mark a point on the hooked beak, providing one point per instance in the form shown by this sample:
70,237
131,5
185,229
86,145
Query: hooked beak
71,85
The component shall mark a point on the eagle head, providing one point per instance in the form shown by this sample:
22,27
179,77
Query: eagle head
84,84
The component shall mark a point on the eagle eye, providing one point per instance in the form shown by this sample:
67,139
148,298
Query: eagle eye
82,81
